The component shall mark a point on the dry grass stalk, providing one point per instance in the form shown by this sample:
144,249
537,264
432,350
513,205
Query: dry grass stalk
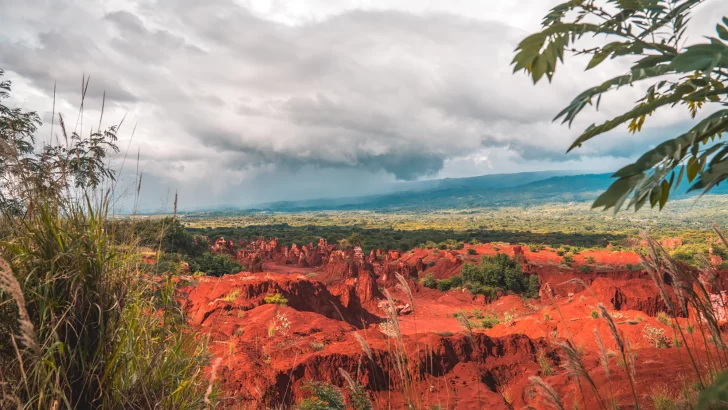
623,348
465,323
603,357
364,346
213,376
10,285
568,334
404,286
400,354
348,378
583,284
576,368
554,400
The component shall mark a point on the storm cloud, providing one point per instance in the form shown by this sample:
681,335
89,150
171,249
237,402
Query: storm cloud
226,94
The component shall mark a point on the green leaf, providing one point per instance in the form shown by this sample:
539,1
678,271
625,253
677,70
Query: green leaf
693,169
598,58
615,195
722,32
655,196
679,177
716,394
664,194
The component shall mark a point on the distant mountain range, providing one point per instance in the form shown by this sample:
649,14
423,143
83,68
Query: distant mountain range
520,189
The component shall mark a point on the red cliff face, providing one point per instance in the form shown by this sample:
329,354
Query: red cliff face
266,351
245,292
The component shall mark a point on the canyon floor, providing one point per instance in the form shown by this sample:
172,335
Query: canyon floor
334,323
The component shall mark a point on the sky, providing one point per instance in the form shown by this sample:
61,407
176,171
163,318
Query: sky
240,102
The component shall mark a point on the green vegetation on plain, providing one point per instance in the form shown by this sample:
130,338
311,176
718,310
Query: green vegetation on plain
491,275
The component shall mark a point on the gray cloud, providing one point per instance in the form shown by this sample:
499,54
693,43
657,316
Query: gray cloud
222,88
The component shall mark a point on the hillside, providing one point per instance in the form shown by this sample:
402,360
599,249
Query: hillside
521,189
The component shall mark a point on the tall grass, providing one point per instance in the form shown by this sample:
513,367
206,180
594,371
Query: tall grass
87,329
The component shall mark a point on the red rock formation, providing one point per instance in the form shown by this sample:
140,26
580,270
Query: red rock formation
211,295
264,364
223,246
715,260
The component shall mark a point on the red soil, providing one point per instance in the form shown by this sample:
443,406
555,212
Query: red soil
267,351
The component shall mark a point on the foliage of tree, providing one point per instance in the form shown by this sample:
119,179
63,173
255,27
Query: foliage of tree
29,172
499,272
177,245
492,274
650,34
214,265
177,239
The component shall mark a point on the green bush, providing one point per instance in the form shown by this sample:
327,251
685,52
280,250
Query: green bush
489,321
584,269
429,281
276,299
447,284
324,396
214,265
472,251
499,272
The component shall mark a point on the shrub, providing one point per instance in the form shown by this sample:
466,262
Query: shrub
324,396
498,272
477,313
232,296
663,318
535,247
429,281
276,299
567,259
490,293
532,290
655,336
489,321
661,399
594,314
472,251
447,284
214,265
584,269
589,259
